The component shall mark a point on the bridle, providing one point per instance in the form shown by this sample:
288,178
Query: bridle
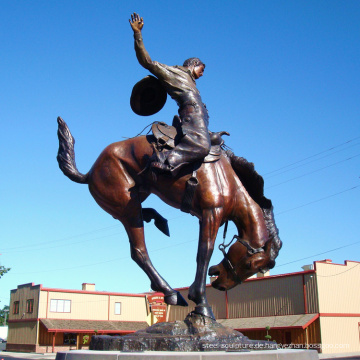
250,251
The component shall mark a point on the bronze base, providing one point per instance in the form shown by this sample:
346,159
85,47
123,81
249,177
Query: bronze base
195,333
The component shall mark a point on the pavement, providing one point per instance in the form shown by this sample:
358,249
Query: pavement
345,356
4,355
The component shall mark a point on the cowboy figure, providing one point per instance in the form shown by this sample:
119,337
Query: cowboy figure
179,82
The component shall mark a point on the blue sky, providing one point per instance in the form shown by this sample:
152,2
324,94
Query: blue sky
281,76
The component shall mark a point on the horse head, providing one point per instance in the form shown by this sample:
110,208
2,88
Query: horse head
241,262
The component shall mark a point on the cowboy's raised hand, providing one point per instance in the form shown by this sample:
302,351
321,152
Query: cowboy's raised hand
136,22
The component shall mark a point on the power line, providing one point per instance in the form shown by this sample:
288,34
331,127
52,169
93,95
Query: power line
315,201
311,156
339,273
170,246
309,162
186,242
62,245
312,172
61,240
322,253
178,244
32,245
118,225
101,262
121,232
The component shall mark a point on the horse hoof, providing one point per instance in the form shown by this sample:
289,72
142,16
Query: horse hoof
175,299
204,311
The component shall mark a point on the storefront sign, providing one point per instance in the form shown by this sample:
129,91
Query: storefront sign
159,311
156,299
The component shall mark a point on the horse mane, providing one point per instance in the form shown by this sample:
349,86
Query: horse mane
273,231
254,185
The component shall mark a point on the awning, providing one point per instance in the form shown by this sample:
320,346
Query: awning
301,321
101,327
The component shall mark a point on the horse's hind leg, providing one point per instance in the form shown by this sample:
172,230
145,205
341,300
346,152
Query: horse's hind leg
160,222
115,191
135,230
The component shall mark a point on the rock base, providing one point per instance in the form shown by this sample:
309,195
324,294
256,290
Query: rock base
288,354
195,333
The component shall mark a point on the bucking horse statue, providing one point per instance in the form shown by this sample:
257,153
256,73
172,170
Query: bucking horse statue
224,188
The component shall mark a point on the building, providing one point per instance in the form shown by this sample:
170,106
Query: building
318,308
50,320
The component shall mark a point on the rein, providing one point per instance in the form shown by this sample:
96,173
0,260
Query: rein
222,247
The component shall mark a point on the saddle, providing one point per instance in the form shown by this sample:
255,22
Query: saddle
166,138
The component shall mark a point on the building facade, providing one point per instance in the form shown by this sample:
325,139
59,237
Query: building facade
49,320
318,308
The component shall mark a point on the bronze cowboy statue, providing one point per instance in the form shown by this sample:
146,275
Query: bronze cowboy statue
193,173
192,123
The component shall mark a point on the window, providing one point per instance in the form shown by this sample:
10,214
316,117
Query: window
16,307
70,338
62,306
29,305
118,308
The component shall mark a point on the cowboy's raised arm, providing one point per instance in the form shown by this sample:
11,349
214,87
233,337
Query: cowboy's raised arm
142,55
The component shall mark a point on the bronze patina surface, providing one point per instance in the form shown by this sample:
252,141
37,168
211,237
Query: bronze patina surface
195,333
119,185
178,166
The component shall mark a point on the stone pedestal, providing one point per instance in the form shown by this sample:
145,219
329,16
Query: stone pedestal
166,355
195,333
196,338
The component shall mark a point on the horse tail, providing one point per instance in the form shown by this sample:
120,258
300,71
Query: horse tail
66,154
273,231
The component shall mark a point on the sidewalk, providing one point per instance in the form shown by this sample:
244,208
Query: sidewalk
349,356
50,356
34,356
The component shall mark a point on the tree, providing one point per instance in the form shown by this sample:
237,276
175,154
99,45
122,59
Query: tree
3,270
267,336
4,314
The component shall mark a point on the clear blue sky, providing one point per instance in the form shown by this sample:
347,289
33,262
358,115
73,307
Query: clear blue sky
281,76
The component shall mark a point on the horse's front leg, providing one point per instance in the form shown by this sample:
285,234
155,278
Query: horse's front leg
209,226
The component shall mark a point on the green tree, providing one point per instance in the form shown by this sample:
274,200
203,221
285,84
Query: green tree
5,311
267,336
4,314
3,270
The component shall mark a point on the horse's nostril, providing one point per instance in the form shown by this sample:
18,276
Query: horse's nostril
213,271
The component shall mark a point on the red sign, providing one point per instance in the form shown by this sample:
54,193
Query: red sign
159,311
156,298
